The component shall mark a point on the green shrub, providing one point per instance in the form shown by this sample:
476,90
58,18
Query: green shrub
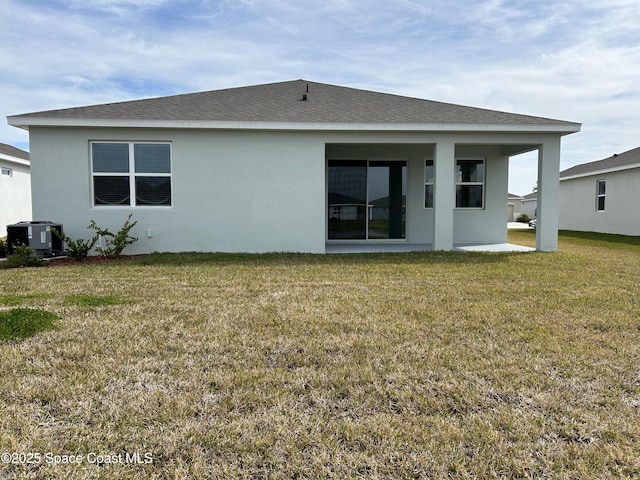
113,246
78,249
114,243
3,248
22,256
523,218
25,322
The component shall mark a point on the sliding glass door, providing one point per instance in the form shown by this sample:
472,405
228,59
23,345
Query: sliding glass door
347,199
366,199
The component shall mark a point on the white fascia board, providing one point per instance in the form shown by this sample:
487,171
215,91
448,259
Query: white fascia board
16,160
26,122
604,171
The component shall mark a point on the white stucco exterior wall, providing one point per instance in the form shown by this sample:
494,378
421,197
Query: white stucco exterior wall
530,207
15,192
488,224
577,203
226,195
265,191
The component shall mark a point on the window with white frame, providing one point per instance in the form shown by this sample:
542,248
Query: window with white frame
5,171
601,190
428,184
132,174
469,183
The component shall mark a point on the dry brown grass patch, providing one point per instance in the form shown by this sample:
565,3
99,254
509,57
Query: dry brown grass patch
291,366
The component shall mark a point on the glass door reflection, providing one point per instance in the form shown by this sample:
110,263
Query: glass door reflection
366,200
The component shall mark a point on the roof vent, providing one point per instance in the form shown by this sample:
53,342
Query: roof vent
304,95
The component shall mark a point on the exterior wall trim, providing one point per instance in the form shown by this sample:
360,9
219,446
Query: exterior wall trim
26,121
16,160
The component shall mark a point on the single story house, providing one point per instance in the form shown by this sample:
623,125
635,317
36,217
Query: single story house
289,166
514,205
15,187
602,196
530,204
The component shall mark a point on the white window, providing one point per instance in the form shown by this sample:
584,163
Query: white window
428,184
5,171
601,188
469,183
131,174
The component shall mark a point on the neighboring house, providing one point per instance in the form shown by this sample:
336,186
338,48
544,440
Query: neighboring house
15,187
514,206
288,166
602,196
530,204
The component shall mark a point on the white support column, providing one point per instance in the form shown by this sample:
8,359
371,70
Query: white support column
444,195
548,187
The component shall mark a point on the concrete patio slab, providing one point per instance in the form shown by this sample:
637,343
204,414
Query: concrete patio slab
393,248
495,247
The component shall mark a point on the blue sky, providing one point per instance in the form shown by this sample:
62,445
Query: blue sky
576,60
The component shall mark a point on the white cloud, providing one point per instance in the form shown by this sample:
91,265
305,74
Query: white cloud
116,7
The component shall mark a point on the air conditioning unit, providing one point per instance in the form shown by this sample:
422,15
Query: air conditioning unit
37,235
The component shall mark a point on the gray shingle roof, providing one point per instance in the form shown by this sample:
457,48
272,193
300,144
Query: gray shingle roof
616,161
13,151
283,102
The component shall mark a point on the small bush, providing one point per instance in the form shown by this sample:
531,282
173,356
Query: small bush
114,243
523,218
22,256
78,249
3,249
25,322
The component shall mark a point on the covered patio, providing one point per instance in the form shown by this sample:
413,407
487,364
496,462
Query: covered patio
444,191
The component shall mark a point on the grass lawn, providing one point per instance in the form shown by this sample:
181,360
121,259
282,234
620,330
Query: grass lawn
419,365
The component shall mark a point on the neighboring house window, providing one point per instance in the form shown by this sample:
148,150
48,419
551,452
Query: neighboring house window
600,195
131,174
469,183
428,184
6,172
